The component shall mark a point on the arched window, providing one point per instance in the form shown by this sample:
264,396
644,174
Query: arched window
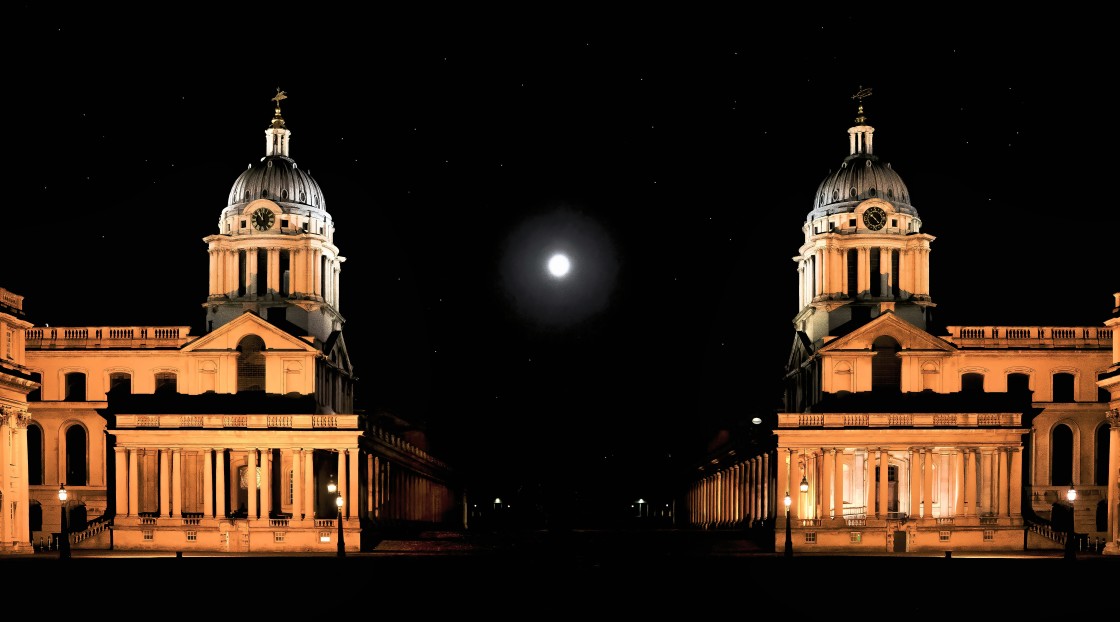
972,382
75,387
34,455
250,364
1063,387
1061,456
886,366
1100,469
76,456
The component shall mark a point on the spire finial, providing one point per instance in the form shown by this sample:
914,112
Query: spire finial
860,95
277,120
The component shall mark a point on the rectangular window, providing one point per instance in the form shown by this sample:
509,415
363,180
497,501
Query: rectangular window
148,535
989,535
855,537
242,224
943,536
852,223
278,536
192,536
324,536
810,537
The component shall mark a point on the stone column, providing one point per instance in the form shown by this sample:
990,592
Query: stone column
914,481
297,483
164,483
1113,481
266,483
1004,481
176,482
342,490
884,472
251,480
309,508
970,474
207,482
220,484
1016,482
927,482
121,483
133,484
352,501
986,489
828,459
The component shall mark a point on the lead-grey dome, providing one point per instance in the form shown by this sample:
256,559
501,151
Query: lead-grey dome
860,177
277,178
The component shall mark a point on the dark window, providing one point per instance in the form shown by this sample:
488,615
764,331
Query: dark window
972,383
895,273
323,267
283,223
34,455
851,222
812,277
166,382
1018,383
242,224
75,387
37,394
894,222
1061,456
886,365
241,274
285,272
1063,387
1100,469
120,381
1102,395
250,364
261,286
871,192
76,456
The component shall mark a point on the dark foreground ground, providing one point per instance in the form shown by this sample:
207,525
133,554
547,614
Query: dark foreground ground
633,574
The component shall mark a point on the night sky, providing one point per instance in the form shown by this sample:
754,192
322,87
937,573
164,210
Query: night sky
675,159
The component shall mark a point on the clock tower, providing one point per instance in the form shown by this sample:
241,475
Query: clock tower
274,252
864,253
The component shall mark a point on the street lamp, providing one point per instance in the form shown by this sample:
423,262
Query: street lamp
804,484
1071,552
64,542
789,534
331,487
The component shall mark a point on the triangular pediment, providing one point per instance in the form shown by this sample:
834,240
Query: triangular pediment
228,335
908,336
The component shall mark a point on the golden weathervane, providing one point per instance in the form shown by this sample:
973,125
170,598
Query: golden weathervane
860,95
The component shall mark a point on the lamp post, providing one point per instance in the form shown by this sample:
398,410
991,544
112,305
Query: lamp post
331,487
789,534
64,540
1071,551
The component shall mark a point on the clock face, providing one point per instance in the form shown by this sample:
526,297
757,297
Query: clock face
874,217
263,219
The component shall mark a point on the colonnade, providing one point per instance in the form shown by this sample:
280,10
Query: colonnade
313,273
930,482
739,494
824,271
179,467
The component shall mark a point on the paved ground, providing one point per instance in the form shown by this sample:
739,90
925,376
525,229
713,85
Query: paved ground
531,574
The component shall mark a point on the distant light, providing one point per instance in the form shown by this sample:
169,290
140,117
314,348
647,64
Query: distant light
497,500
558,265
756,420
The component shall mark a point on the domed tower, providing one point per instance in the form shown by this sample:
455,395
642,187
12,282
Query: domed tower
274,252
864,252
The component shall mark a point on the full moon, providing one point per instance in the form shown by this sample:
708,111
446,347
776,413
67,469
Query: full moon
558,265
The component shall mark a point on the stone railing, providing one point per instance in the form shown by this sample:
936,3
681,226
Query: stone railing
261,422
40,338
1031,336
886,420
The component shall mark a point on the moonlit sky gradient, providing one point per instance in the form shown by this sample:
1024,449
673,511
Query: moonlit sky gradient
672,158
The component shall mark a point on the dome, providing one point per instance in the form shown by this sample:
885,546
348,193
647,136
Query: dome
277,178
860,177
